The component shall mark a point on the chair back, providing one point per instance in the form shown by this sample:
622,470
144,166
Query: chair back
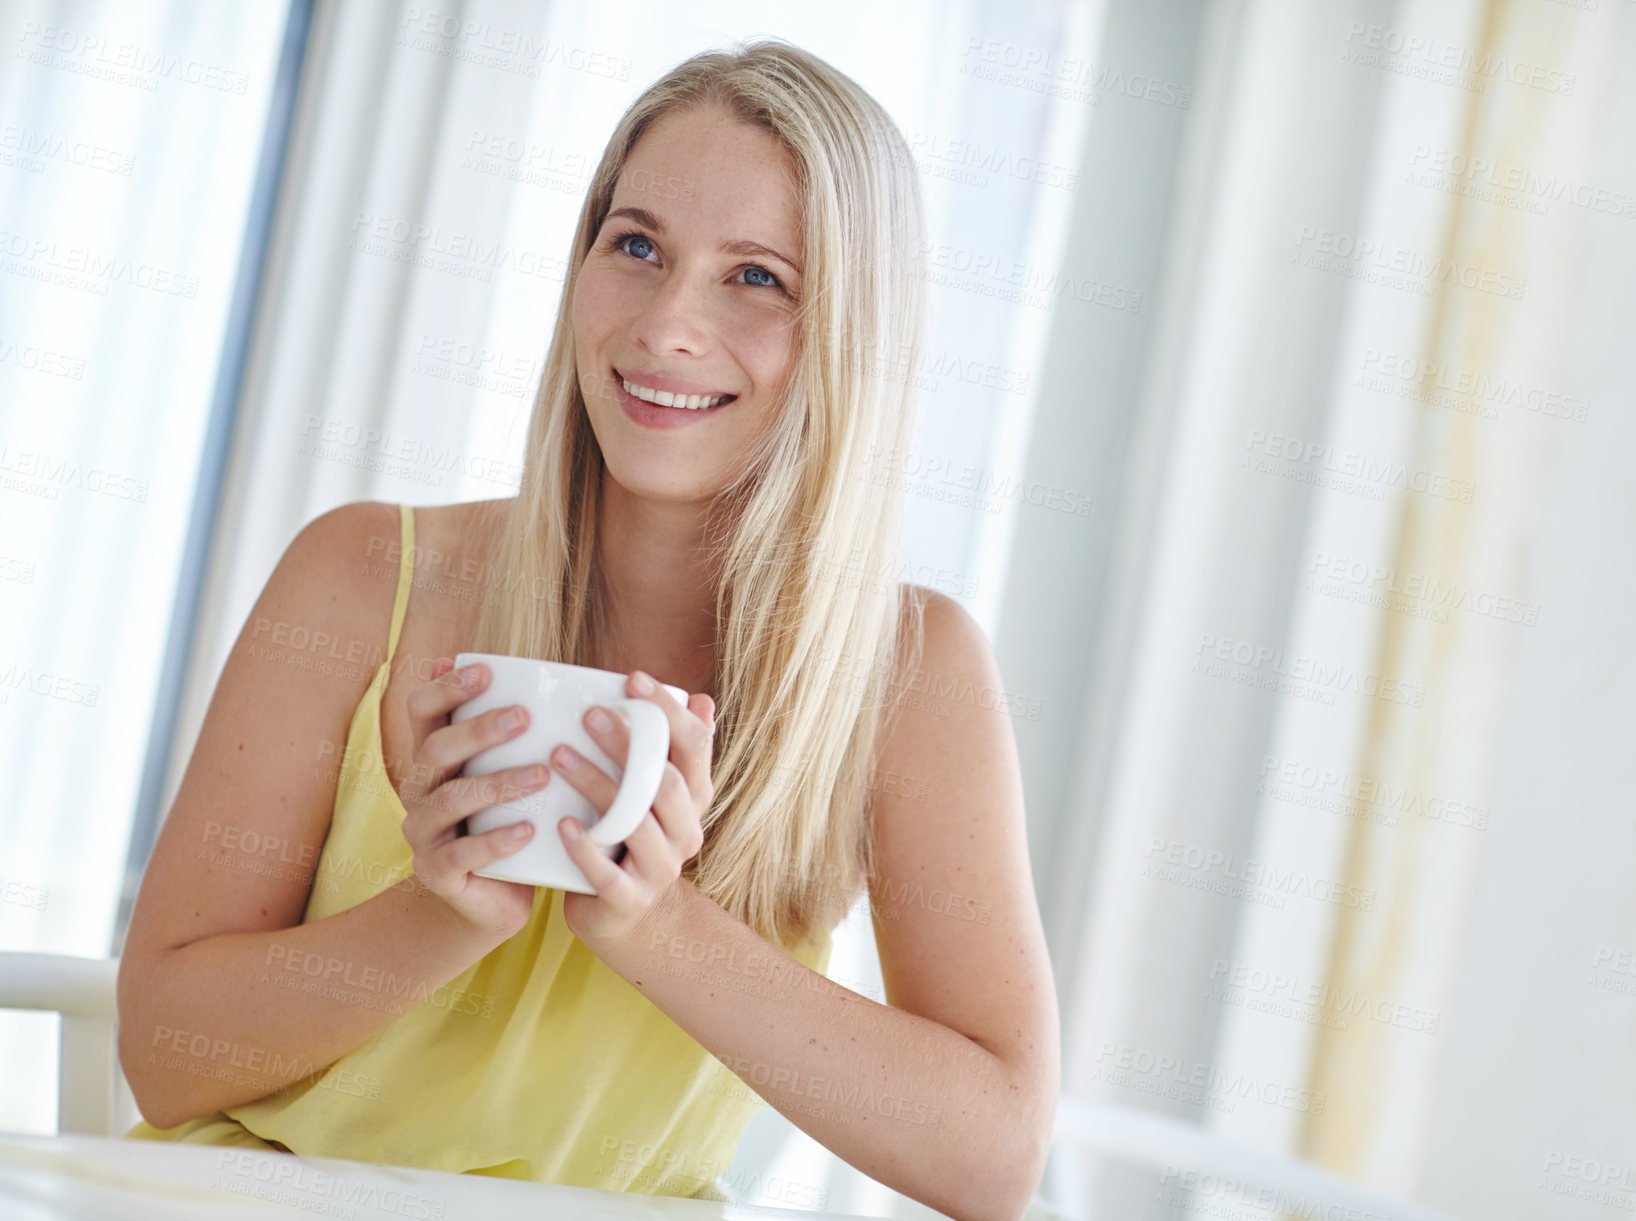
92,1097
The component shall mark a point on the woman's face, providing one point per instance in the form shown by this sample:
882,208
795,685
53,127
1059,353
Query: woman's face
690,288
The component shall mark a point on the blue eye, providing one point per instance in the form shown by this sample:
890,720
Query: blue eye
634,244
639,246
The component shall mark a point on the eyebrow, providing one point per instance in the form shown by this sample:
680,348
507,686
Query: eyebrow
643,217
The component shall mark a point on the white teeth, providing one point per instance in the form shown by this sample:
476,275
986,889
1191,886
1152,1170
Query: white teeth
664,398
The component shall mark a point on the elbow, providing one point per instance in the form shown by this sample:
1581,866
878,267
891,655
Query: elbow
1007,1192
157,1116
147,1087
1001,1186
1015,1178
160,1092
1030,1172
1012,1186
136,1069
157,1107
164,1096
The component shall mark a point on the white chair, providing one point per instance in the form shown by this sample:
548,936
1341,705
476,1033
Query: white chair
1146,1138
92,1097
1125,1135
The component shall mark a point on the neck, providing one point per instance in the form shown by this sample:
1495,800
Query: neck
661,592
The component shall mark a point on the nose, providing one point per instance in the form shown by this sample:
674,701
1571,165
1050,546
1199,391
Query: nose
672,320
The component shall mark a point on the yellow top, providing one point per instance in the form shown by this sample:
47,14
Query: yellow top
539,1062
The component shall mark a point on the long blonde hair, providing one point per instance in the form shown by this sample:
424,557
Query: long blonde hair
814,635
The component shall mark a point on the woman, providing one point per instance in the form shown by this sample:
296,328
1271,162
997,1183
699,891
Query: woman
311,964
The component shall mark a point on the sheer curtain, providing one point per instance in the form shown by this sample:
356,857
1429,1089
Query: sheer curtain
1343,866
118,265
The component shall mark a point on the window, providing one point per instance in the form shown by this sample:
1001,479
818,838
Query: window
134,182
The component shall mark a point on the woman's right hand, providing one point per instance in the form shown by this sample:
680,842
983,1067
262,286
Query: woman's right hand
436,799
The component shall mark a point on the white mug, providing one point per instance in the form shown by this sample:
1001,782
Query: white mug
557,696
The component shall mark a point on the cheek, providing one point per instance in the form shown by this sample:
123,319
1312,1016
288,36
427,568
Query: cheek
766,347
596,303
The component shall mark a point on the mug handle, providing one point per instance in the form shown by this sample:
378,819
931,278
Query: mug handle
644,768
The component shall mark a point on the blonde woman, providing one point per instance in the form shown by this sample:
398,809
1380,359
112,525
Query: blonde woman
312,965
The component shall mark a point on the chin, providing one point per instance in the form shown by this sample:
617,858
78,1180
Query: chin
657,481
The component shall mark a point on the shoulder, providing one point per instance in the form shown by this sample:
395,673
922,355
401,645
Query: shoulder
946,618
347,534
952,646
946,707
365,536
338,573
343,567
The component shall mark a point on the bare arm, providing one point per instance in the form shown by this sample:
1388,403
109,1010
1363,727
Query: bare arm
227,1019
208,1016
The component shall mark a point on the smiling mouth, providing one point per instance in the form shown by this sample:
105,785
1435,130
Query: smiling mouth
664,398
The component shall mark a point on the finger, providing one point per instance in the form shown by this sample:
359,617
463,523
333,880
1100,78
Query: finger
612,733
586,778
470,795
431,816
609,880
429,820
649,854
690,734
446,690
686,727
674,811
446,749
698,778
460,856
428,706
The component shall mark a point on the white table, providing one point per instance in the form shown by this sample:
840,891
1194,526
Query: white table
93,1178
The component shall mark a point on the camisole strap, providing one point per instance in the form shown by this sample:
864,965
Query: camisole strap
406,573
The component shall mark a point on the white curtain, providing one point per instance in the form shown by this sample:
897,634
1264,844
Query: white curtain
118,266
1343,870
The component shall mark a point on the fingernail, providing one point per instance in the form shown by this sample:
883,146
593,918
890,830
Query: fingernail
641,683
471,675
567,759
598,720
511,718
522,830
571,828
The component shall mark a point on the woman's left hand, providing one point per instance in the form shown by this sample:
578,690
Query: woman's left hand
637,890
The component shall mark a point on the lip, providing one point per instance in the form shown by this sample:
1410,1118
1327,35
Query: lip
659,381
651,415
